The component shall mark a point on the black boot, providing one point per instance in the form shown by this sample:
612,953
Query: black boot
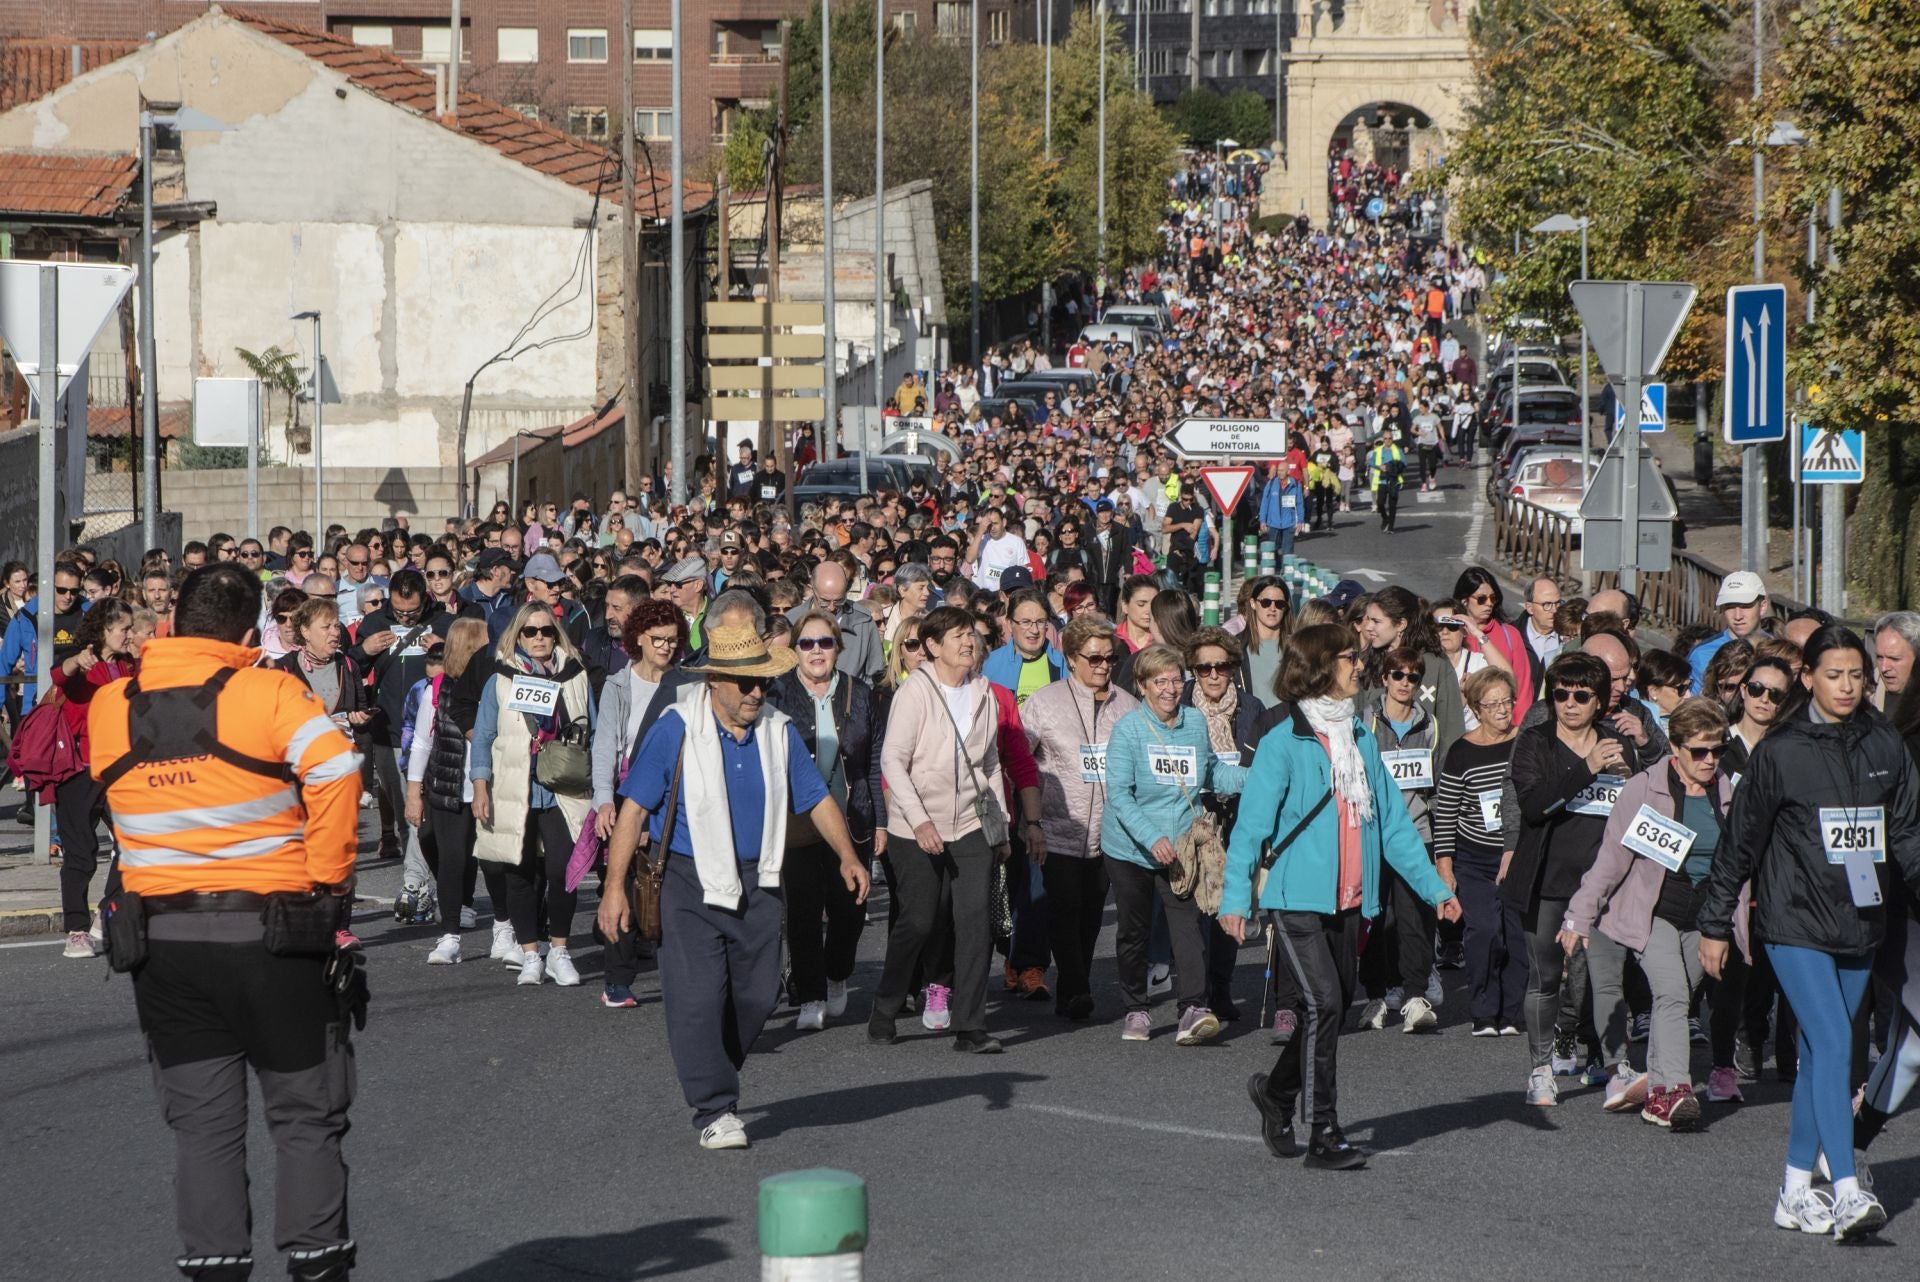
1276,1118
1328,1150
976,1043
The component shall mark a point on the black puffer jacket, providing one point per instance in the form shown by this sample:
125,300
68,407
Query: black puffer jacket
445,785
860,722
1773,835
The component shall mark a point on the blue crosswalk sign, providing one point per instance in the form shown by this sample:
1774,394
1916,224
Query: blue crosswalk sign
1832,458
1653,409
1756,364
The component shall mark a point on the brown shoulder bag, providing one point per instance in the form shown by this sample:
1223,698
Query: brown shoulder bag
648,874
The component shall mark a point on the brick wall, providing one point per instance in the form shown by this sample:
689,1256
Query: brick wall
213,500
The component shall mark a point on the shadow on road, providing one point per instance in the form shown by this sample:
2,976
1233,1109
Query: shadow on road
656,1251
1415,1125
871,1103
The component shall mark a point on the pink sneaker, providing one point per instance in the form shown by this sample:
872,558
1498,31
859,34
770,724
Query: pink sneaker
934,1015
1723,1086
344,940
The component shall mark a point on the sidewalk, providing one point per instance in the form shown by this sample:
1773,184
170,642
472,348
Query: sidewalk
29,890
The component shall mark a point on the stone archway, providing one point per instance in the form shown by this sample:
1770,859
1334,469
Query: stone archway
1404,62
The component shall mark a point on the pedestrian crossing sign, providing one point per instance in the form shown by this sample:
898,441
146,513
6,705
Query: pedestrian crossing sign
1831,458
1653,409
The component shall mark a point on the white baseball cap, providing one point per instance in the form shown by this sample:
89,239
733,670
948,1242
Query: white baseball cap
1742,587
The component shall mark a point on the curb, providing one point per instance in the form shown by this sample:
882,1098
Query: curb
19,923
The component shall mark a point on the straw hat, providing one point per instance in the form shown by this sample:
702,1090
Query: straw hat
742,652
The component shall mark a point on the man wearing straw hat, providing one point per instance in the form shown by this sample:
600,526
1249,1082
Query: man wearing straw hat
726,772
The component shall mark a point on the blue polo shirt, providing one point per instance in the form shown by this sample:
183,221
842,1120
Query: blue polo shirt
646,783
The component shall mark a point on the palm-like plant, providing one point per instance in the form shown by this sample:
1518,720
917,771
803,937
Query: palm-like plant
277,372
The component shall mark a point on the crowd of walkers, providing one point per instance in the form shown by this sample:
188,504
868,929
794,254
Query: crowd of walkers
993,690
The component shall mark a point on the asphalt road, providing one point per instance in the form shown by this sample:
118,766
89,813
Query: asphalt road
514,1135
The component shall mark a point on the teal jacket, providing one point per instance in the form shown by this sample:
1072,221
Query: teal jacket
1291,772
1141,809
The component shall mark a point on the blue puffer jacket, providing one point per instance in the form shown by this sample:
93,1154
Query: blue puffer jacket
1291,772
1275,513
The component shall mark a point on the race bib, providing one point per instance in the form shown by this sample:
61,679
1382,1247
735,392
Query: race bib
534,695
1490,810
1412,768
1226,759
1597,798
1659,838
1846,831
1287,502
1174,767
418,650
769,493
1093,763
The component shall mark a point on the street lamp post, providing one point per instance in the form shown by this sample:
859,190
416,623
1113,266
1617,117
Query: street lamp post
1221,147
1101,200
1568,223
677,265
973,185
830,424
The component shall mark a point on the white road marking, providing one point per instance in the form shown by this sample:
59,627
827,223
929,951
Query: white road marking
37,943
1141,1124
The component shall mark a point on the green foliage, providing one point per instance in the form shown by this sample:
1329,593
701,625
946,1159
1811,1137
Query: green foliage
278,374
745,158
195,457
1201,117
1249,118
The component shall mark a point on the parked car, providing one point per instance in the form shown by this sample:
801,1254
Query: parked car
1098,336
1140,315
1082,381
837,479
1551,477
1528,438
1539,406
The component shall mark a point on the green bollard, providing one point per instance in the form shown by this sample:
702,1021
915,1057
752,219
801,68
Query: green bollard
813,1226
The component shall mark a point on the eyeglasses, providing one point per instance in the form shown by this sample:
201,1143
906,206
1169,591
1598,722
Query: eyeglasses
666,642
1029,623
1167,681
814,643
1580,698
1544,605
1351,656
546,630
60,591
1398,674
359,561
1761,690
1213,669
1707,753
1495,705
252,554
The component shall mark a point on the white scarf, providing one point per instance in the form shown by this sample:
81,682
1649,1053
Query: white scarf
1333,718
706,810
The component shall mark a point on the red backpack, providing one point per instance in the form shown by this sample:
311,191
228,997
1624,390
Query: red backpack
44,753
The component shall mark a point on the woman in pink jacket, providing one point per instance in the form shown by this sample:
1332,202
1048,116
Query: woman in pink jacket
1644,888
1489,633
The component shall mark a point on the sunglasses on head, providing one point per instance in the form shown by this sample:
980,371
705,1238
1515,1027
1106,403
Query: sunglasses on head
1707,753
1760,690
546,630
1579,697
813,643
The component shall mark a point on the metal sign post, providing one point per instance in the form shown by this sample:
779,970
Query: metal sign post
1630,444
49,413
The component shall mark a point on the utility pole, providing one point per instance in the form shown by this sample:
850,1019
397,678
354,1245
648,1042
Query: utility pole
879,235
973,186
1100,202
1046,133
1833,498
776,214
830,386
677,283
634,454
1753,460
1193,48
149,374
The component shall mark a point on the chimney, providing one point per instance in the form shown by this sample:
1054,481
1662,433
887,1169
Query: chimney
76,62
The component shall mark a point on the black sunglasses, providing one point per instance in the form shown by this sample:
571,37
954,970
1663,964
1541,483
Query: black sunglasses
546,630
1213,669
912,644
813,643
1452,627
1580,697
749,684
1761,690
1703,754
1398,674
1271,603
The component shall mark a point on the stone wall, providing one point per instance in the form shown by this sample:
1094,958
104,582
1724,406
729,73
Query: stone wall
215,500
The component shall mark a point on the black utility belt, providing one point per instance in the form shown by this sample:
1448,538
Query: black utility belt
294,923
205,901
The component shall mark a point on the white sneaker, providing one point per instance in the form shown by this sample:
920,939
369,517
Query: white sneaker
1807,1210
1159,979
505,948
1374,1015
1416,1016
1542,1089
813,1017
533,969
725,1131
836,998
79,944
1857,1214
446,952
560,968
97,933
468,919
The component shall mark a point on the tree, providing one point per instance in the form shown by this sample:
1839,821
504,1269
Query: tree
278,372
1249,118
1201,117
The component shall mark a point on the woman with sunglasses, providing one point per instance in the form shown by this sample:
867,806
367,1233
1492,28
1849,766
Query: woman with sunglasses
1397,969
1827,811
1663,681
537,691
277,639
1394,618
1068,725
102,654
1262,615
842,722
1724,672
1644,889
1757,694
1468,845
1318,797
1567,773
1489,633
1160,762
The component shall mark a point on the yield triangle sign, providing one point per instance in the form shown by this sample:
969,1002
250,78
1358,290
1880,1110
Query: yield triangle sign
1602,305
1227,484
87,296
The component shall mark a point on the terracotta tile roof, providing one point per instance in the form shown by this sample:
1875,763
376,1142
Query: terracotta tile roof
109,422
67,184
538,146
34,67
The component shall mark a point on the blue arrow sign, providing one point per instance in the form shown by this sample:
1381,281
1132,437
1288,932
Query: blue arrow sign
1756,364
1653,409
1832,458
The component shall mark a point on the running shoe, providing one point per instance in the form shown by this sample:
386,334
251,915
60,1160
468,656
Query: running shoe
426,908
1450,956
1374,1014
1857,1214
1510,1030
1626,1089
1418,1016
1564,1063
1285,1024
1861,1171
560,968
978,1042
1696,1034
1542,1088
403,906
468,919
446,952
1010,975
1723,1087
1637,1031
1436,992
345,940
98,933
724,1131
1159,978
1276,1119
1197,1024
1485,1028
533,969
836,997
1396,998
1805,1209
1078,1008
1138,1028
1595,1073
813,1017
1328,1150
79,944
504,948
1673,1107
1033,984
618,997
934,1015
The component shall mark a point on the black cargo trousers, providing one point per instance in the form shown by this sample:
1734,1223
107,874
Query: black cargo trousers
212,1002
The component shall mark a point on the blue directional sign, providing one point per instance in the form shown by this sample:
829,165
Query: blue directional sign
1653,409
1756,364
1832,458
1375,208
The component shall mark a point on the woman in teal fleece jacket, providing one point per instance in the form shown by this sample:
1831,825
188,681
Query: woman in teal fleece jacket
1319,779
1159,761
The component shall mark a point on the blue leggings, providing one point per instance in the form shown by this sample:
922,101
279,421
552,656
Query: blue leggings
1825,992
